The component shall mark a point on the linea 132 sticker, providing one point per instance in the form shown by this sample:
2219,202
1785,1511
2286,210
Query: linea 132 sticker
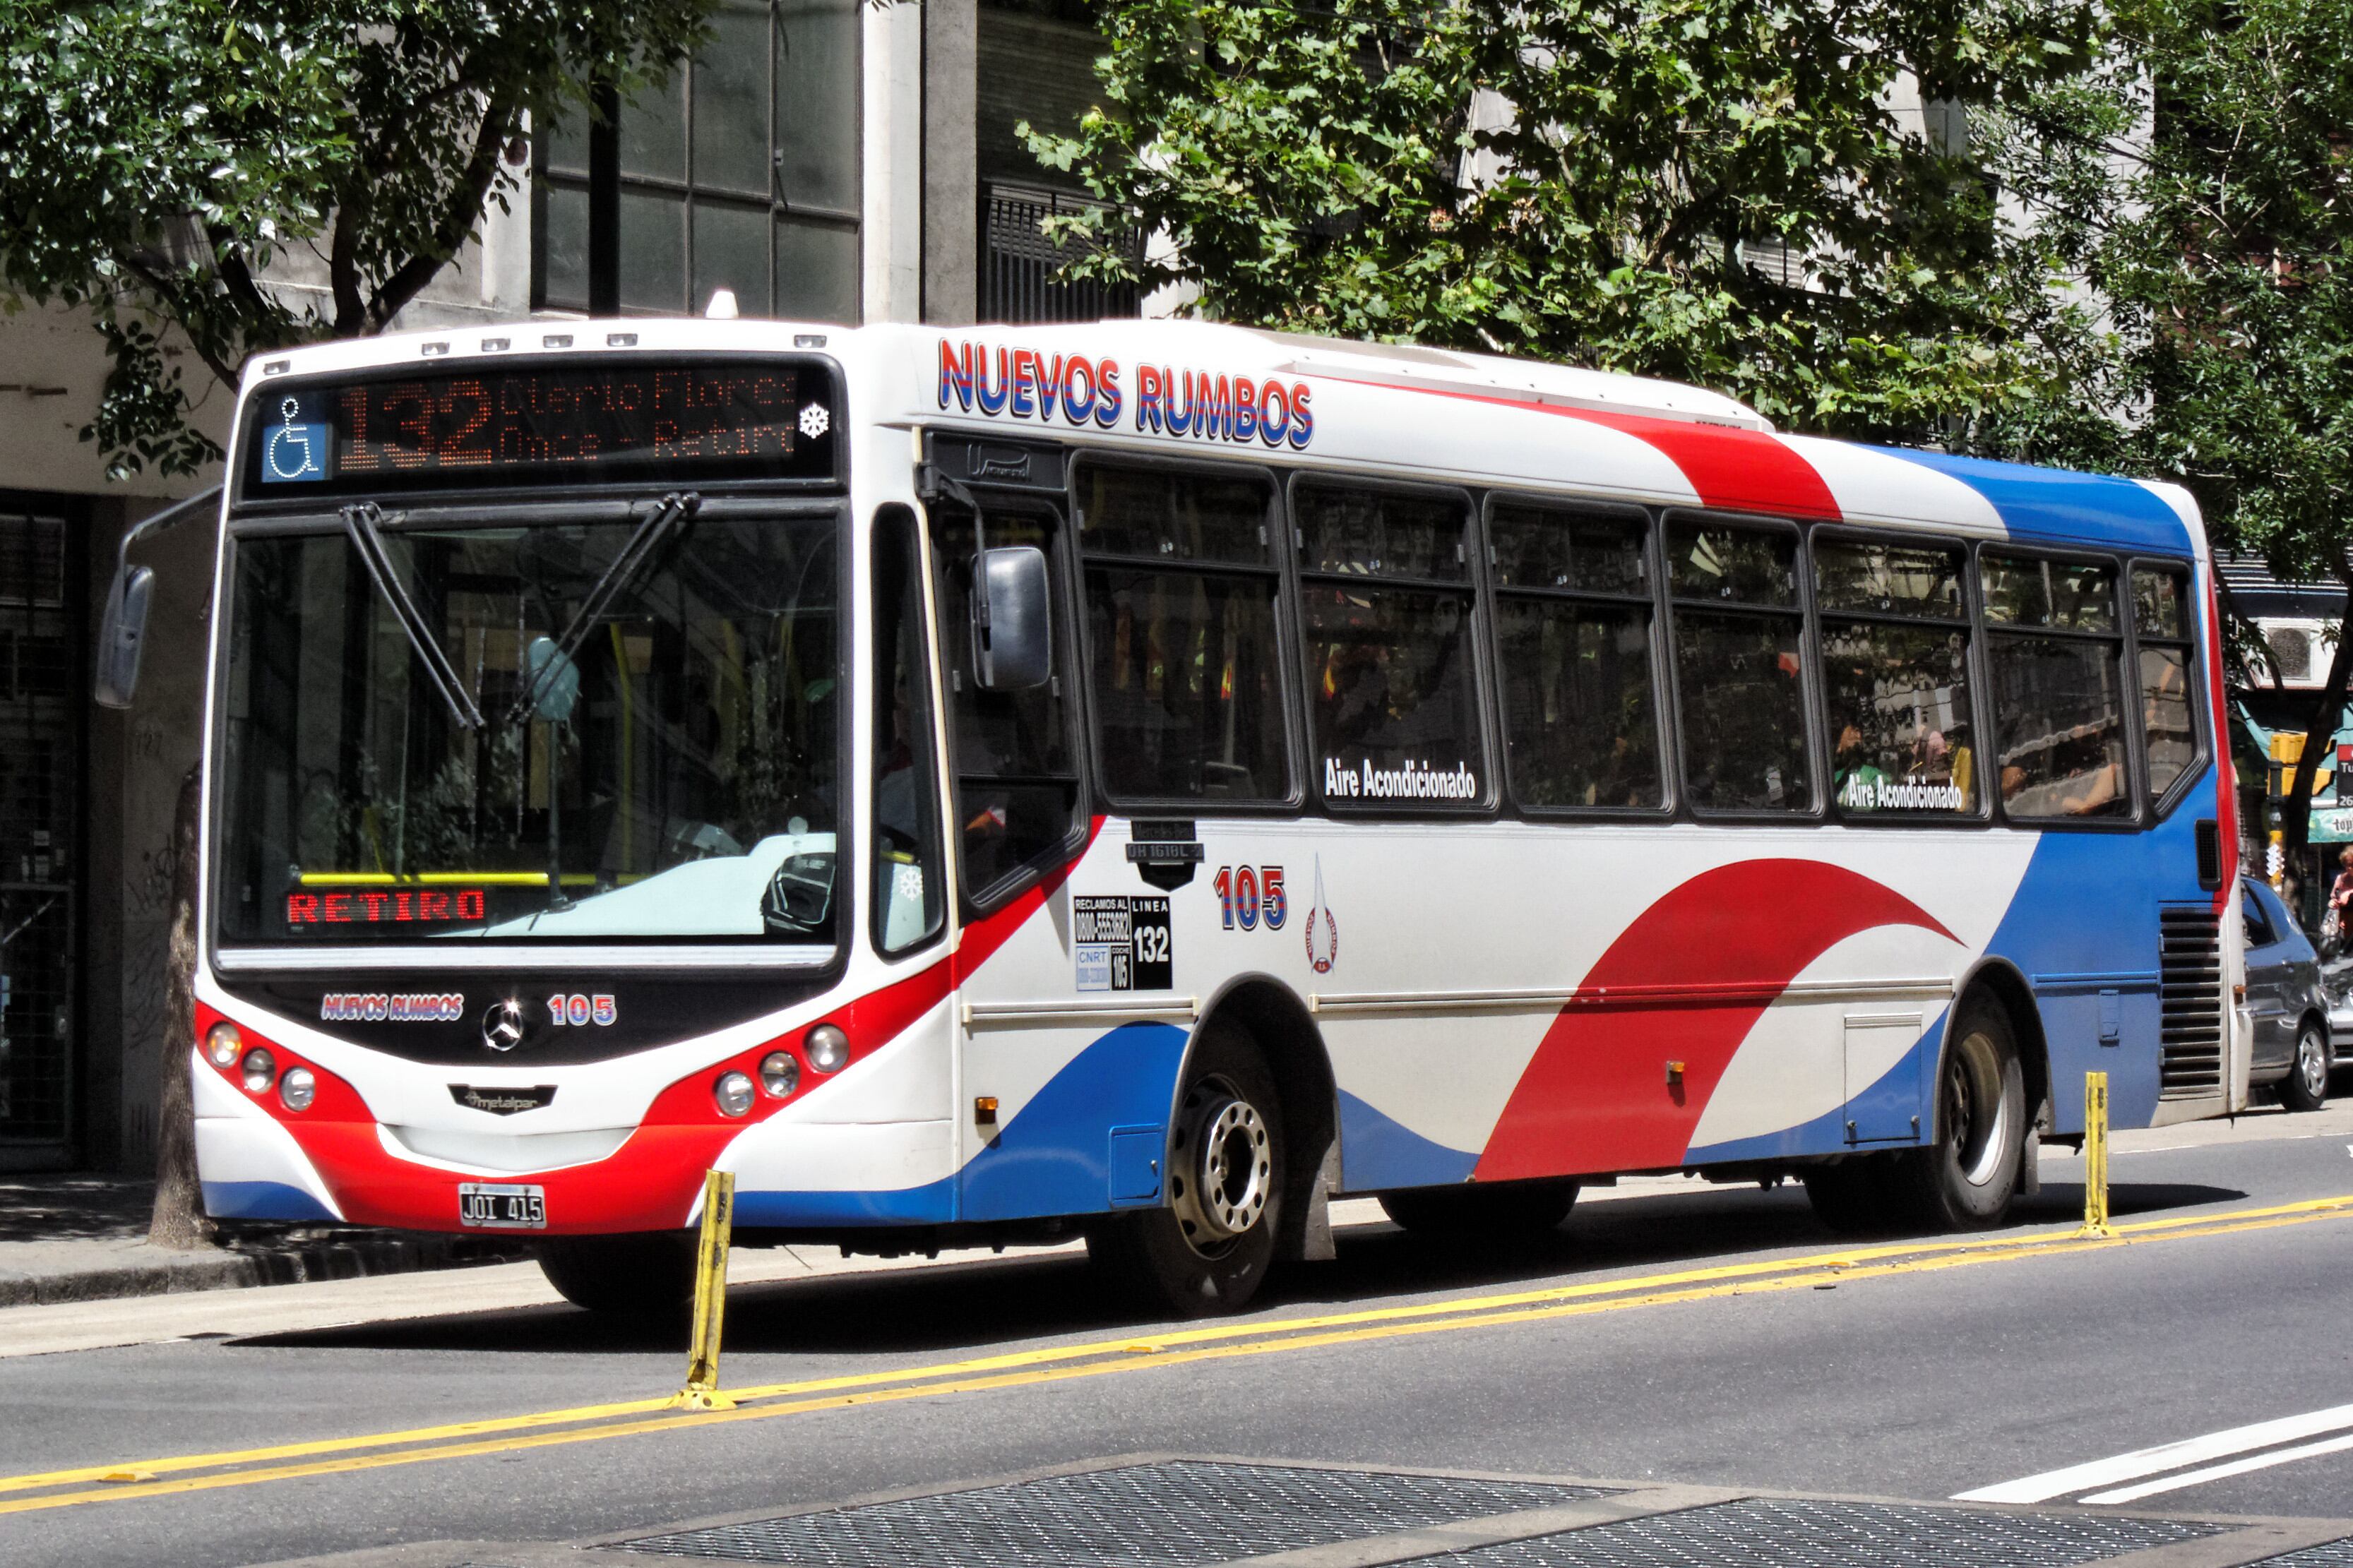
1122,943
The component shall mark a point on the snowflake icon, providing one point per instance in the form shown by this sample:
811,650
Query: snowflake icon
816,421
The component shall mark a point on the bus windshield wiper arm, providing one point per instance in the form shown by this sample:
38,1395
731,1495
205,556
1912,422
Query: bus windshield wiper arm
360,523
643,547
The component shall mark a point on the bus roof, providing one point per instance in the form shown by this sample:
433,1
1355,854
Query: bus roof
1198,388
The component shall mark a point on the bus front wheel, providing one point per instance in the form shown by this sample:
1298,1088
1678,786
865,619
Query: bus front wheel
644,1276
1208,1250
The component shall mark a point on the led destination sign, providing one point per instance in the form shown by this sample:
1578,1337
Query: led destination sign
471,427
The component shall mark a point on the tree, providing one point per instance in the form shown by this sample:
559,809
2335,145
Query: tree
158,157
1716,191
2230,272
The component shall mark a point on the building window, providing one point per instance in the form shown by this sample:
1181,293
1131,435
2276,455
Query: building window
741,174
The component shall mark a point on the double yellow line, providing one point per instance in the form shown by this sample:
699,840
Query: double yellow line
1099,1358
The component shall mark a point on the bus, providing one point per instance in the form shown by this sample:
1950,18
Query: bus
1143,781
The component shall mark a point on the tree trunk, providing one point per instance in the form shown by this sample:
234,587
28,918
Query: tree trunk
179,1218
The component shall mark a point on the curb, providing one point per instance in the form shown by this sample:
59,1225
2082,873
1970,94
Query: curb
249,1256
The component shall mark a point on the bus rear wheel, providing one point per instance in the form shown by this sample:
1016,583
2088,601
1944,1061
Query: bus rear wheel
1208,1250
1966,1179
642,1276
1476,1214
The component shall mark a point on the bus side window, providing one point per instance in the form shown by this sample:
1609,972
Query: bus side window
908,905
1572,645
1184,671
1016,775
1385,589
1739,639
2058,690
1895,677
2161,625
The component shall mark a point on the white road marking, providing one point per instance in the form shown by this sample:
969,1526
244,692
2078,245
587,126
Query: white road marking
2216,1472
2164,1456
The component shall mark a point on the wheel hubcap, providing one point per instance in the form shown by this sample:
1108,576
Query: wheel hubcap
2312,1062
1225,1165
1976,1109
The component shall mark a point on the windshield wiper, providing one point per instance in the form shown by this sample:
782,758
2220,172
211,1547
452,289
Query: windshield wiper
671,516
360,523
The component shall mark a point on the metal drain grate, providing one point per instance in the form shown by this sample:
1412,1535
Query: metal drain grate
1773,1532
1178,1514
2327,1554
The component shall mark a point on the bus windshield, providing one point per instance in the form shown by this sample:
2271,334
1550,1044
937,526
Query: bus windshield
656,754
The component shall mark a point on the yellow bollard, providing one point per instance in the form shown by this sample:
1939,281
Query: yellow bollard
702,1390
2095,1156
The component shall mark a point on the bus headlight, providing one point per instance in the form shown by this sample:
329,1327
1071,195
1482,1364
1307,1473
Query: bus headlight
222,1043
827,1048
779,1073
734,1093
298,1089
260,1070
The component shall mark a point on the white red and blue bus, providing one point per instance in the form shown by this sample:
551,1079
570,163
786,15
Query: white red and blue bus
1146,780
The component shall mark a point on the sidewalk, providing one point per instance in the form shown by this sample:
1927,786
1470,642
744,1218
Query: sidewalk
84,1238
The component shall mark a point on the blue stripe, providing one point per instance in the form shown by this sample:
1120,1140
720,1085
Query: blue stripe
1379,1153
2053,506
261,1200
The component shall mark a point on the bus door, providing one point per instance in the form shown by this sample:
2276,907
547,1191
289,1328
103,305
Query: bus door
1049,1070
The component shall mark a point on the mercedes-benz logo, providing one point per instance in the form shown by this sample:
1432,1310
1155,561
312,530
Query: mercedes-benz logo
502,1026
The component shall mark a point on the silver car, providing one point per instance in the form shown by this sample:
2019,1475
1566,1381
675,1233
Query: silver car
2284,998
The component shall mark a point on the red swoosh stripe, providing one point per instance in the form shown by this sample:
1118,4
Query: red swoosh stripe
1685,982
1730,468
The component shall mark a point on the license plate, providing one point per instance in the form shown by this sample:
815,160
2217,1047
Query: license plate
502,1205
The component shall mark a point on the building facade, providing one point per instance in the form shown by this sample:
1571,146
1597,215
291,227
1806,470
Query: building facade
820,159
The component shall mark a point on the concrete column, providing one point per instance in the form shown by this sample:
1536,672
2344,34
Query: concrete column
951,176
893,152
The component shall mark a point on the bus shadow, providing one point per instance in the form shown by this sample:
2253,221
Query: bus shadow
981,1306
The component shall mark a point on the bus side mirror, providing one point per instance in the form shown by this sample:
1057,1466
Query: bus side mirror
121,634
1012,619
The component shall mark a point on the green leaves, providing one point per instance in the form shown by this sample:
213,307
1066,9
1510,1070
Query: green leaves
157,155
1711,190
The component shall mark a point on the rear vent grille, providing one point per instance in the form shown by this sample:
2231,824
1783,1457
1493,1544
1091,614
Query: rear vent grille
2190,963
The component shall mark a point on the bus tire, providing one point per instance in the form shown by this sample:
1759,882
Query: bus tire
1474,1214
1966,1179
642,1276
1208,1249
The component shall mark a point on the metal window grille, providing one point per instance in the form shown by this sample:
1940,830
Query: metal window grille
1018,262
40,761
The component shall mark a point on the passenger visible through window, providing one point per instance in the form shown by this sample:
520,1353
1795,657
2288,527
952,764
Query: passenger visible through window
1385,594
1182,653
1739,666
1573,633
2058,690
1895,678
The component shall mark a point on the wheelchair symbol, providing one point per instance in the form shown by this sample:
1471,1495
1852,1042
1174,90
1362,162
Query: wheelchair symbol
294,451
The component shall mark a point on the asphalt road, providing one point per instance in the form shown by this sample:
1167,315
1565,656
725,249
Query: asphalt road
1667,1333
